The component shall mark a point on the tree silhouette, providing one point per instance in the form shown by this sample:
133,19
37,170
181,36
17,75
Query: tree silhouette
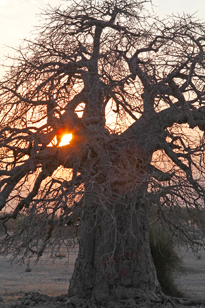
130,89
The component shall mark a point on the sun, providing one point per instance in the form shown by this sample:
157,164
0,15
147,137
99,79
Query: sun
65,139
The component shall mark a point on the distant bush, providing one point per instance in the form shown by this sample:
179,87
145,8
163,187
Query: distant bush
2,230
12,224
166,260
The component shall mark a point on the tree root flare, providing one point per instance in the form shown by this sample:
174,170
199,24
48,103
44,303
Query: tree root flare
35,299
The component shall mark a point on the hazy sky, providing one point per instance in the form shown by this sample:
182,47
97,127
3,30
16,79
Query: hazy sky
17,17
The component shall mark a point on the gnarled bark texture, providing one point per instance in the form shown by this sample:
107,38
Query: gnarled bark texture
114,261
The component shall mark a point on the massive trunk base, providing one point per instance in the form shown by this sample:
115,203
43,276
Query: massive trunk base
114,266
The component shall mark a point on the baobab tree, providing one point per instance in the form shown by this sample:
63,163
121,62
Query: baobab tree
130,89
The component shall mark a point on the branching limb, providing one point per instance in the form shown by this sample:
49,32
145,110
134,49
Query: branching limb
160,175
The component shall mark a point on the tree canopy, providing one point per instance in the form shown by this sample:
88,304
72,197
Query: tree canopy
130,88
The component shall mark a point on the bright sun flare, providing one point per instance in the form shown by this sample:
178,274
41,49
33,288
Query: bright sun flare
65,140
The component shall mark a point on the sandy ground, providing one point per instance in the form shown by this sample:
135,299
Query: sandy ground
192,280
51,276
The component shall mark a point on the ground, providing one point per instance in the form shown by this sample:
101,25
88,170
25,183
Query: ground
50,277
192,280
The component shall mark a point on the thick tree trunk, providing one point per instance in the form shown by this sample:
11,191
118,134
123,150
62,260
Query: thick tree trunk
114,261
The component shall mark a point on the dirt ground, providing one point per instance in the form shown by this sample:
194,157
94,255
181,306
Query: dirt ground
50,276
192,280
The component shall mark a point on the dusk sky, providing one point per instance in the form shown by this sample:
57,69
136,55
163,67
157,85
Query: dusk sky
17,17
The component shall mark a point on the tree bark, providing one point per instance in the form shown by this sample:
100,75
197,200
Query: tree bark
114,261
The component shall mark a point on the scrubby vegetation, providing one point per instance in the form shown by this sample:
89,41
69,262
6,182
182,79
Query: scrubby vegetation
167,261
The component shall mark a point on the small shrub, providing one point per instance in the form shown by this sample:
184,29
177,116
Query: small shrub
2,229
12,224
166,260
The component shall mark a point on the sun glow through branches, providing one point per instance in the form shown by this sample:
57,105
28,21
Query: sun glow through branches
65,140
